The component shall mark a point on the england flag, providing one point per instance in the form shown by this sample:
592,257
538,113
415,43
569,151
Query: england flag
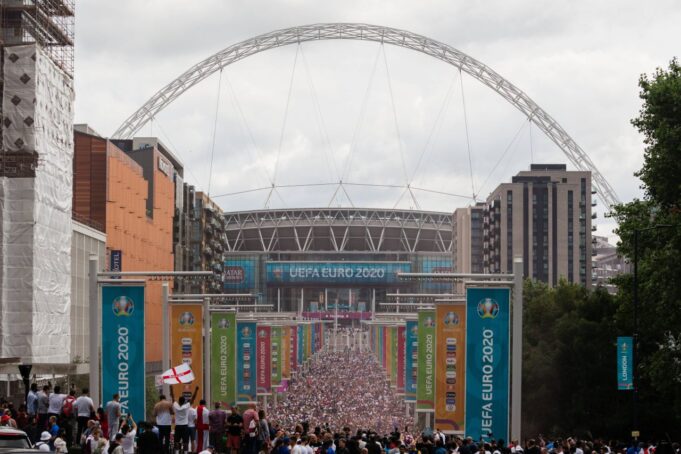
178,374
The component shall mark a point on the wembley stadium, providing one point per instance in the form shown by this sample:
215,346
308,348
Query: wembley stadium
317,261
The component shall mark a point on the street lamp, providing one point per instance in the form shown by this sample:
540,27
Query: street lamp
636,334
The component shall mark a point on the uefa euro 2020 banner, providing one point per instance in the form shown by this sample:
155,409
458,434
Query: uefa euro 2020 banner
625,363
123,347
223,358
487,362
450,370
377,273
425,387
246,362
186,322
410,359
263,366
277,357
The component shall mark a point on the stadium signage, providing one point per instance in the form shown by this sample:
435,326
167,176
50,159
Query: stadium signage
625,362
425,395
336,272
487,362
123,366
234,274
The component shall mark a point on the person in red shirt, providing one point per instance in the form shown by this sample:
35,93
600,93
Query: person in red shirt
202,427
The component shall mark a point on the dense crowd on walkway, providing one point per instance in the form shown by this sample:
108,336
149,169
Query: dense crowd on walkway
342,389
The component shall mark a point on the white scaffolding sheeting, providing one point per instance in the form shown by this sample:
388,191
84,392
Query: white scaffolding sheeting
36,212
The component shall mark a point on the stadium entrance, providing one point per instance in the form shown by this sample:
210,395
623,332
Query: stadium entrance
322,262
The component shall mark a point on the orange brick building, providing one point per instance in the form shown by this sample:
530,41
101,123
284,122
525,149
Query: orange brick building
129,188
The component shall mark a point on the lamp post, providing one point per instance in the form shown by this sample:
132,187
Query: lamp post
635,377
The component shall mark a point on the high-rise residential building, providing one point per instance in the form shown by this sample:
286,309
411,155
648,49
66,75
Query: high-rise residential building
129,187
204,241
467,239
36,91
544,216
607,263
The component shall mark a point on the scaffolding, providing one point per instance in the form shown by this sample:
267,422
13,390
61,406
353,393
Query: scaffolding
49,23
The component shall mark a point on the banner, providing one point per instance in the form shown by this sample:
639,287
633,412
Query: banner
487,362
410,360
285,353
308,341
246,364
450,372
300,349
382,346
293,347
425,385
400,359
277,357
393,356
625,363
239,274
223,358
186,344
263,366
123,366
335,273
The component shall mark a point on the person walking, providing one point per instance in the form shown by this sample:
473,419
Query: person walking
164,419
216,427
55,403
181,410
250,428
263,433
43,406
234,430
84,409
32,401
113,415
202,421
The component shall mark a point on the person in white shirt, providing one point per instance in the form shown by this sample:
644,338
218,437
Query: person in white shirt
209,450
298,448
191,427
181,409
56,402
84,407
129,431
43,444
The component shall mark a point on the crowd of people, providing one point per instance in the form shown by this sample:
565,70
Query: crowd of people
342,389
338,403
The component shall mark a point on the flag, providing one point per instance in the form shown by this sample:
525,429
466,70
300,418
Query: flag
178,374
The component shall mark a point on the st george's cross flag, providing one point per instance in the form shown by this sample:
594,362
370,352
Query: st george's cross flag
178,374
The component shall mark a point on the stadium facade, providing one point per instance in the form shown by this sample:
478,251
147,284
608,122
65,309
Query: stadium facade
312,261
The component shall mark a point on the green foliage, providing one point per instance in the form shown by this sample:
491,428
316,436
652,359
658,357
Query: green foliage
657,219
569,363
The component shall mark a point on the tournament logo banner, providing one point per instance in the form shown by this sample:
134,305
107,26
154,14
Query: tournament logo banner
123,366
276,356
388,330
393,356
246,362
450,371
300,349
186,328
625,363
285,354
487,362
308,341
222,358
401,338
382,347
425,385
313,339
411,352
263,367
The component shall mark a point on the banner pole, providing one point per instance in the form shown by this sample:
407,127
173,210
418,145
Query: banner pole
206,351
165,358
95,338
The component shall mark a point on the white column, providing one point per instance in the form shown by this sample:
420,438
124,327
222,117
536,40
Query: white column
517,348
94,330
373,303
206,351
278,299
165,336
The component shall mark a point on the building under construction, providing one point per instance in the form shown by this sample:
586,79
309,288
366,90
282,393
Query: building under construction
36,151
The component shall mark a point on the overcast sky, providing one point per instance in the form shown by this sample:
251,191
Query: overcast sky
370,114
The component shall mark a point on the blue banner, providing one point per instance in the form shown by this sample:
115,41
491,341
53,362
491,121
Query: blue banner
625,363
239,274
436,265
410,360
487,362
245,366
123,370
301,345
330,273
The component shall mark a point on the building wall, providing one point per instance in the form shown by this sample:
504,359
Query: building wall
142,232
85,241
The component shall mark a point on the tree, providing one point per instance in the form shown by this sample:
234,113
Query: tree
659,259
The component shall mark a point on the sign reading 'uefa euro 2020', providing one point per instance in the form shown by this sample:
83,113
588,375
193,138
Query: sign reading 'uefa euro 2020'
123,347
377,273
246,362
625,363
487,362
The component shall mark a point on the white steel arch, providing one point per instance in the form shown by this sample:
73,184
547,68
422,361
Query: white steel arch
385,35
